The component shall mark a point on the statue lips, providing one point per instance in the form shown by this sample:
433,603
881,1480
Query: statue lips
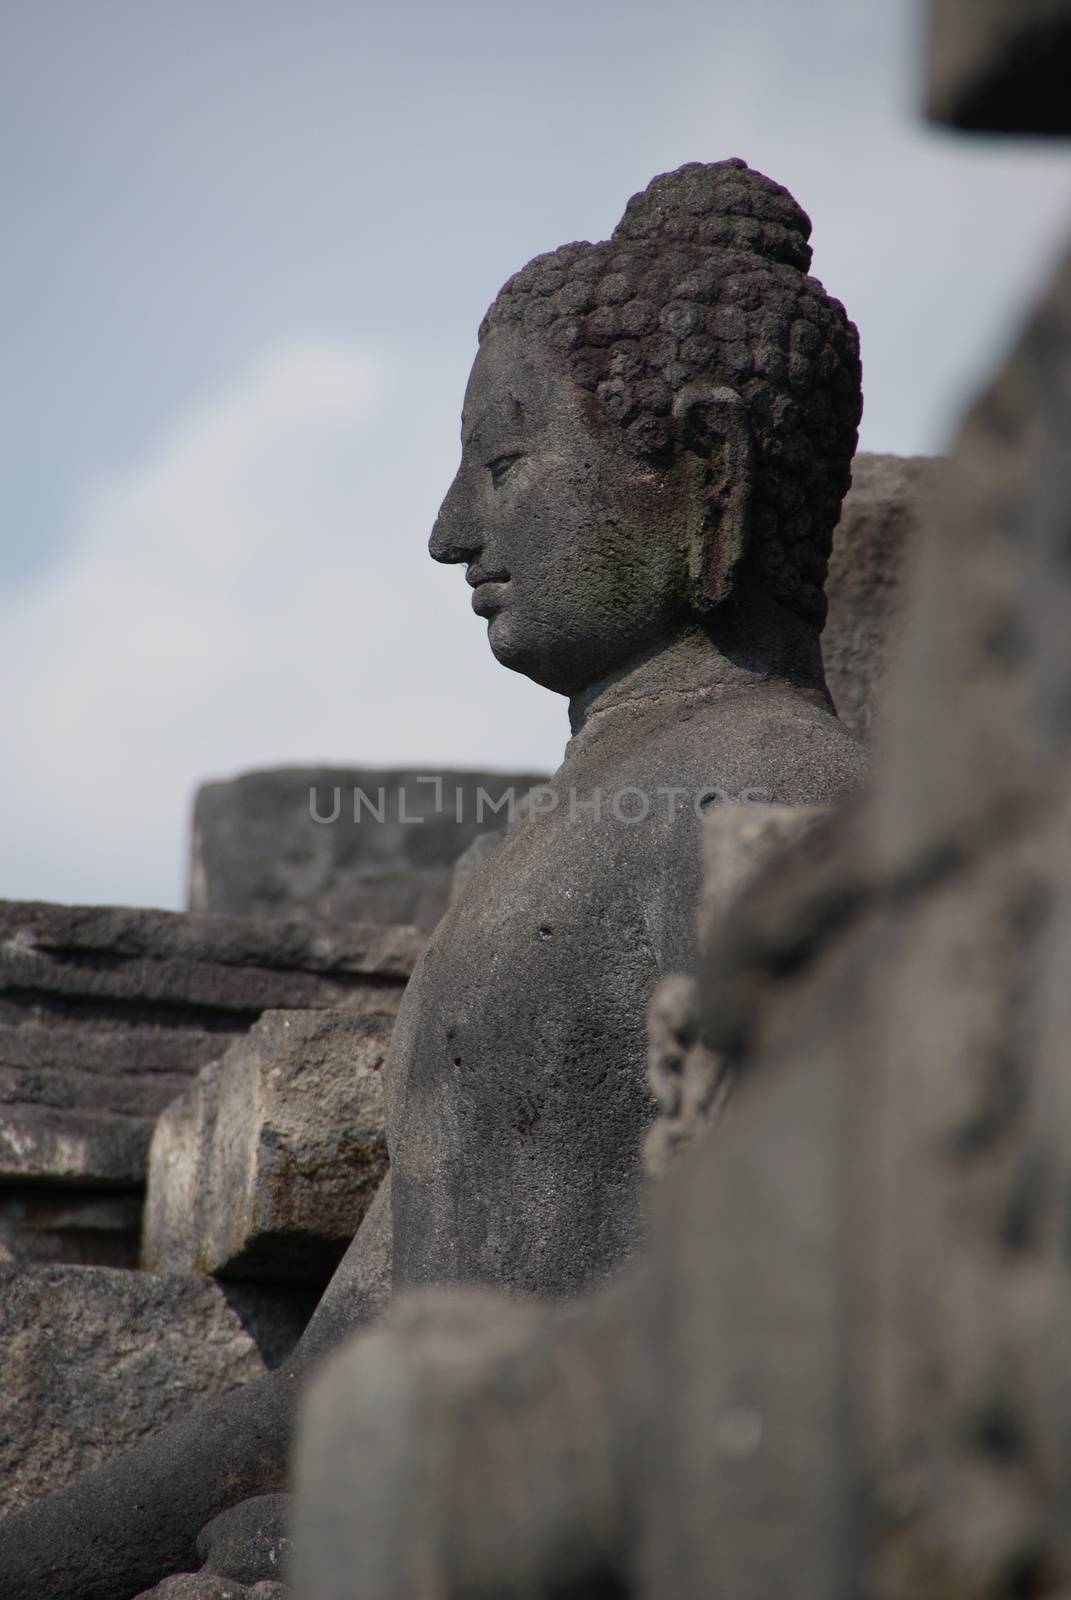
487,591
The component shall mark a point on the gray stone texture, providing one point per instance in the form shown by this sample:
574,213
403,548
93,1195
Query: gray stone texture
1000,66
690,1081
54,1223
250,1543
265,1167
650,381
208,1586
107,1013
739,844
921,970
246,1555
504,1460
92,1361
257,850
842,1368
867,583
687,374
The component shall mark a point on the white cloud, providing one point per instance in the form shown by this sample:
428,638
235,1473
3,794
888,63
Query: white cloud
255,592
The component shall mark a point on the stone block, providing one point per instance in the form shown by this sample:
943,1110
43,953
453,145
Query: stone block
868,569
386,857
739,843
1001,66
92,1361
689,1081
107,1013
460,1449
266,1165
54,1223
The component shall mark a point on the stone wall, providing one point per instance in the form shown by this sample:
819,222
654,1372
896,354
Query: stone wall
387,856
107,1013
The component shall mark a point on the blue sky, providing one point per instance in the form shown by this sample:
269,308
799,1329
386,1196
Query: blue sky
248,247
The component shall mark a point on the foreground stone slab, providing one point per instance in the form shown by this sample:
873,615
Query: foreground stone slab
94,1360
1001,66
689,1081
106,1013
916,978
382,852
266,1166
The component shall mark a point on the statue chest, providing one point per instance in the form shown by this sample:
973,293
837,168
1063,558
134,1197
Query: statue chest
518,1096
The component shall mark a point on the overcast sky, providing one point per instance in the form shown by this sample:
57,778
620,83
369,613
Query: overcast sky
247,248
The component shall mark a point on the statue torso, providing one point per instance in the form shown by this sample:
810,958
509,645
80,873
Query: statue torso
517,1095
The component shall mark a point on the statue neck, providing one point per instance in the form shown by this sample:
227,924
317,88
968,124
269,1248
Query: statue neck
750,642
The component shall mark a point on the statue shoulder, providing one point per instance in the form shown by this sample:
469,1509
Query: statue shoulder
775,746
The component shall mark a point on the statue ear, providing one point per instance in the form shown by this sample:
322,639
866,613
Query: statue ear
713,426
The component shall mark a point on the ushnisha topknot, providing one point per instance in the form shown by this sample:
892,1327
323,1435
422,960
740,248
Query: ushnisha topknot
724,205
706,277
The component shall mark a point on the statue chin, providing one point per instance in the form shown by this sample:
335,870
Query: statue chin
527,656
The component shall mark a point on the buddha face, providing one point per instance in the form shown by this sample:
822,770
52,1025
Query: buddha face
575,550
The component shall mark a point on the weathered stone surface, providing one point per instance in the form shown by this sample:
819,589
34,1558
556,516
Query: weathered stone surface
251,1542
246,1554
387,856
54,1223
208,1586
725,409
500,1481
266,1165
843,1367
740,843
689,1080
549,1449
1001,66
868,571
106,1013
917,975
92,1361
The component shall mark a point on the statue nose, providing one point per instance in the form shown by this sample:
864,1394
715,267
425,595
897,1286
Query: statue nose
454,536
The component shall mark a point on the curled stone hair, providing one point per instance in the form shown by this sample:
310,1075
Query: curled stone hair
706,277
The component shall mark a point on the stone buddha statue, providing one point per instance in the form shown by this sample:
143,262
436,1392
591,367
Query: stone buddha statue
656,439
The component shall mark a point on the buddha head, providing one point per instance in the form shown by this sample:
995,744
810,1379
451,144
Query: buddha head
655,427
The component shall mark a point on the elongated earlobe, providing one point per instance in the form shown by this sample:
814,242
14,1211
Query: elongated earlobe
713,428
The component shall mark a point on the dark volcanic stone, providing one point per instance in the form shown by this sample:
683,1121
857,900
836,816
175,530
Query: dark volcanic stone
42,1223
842,1367
250,1543
387,858
92,1361
264,1168
867,584
106,1013
643,511
209,1586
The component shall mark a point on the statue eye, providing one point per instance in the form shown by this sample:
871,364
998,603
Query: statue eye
501,465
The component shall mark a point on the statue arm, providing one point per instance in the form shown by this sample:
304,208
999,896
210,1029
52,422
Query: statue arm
125,1526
